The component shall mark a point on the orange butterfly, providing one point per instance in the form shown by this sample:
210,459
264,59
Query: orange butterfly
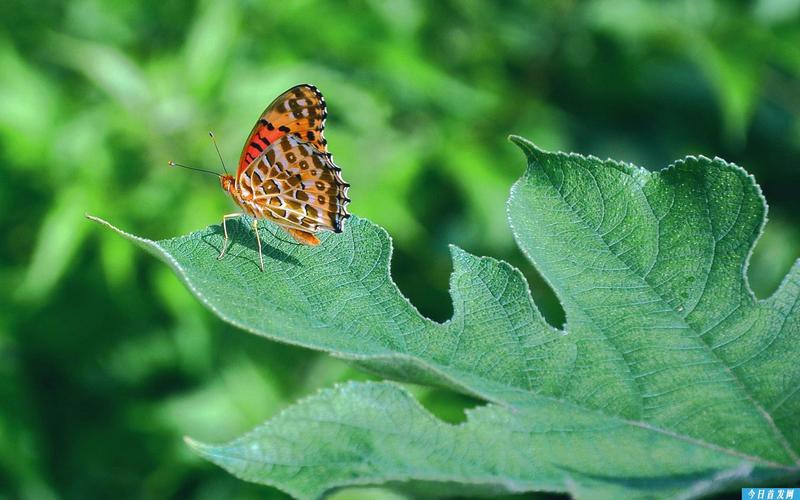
285,172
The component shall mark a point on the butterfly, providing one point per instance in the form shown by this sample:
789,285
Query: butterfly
286,174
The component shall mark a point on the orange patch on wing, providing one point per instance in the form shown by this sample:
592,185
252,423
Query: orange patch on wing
303,237
300,111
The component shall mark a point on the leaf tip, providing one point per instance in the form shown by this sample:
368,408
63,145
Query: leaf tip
196,446
461,257
456,251
117,230
104,222
532,152
526,145
519,140
100,221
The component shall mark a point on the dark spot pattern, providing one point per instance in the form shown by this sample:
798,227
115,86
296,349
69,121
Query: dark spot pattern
299,183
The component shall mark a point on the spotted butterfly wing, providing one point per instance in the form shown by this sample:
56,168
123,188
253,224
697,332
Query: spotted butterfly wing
296,186
300,111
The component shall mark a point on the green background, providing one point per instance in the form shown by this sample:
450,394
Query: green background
106,361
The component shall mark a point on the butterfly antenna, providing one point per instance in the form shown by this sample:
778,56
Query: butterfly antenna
173,164
214,140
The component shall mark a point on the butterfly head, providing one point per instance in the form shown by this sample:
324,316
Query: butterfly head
227,182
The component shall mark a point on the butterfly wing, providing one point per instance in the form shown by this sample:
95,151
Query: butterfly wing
297,186
300,111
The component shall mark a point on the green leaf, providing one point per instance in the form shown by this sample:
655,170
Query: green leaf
669,379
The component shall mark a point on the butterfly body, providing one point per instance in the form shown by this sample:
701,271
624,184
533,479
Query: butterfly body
286,173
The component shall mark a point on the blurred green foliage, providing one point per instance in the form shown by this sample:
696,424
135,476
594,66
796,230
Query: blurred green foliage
106,361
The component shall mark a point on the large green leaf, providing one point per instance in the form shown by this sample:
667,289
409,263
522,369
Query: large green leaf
669,379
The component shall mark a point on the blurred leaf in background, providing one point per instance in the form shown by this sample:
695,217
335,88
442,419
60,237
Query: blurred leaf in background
106,361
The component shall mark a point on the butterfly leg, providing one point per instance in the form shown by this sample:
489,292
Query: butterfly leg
258,239
225,230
